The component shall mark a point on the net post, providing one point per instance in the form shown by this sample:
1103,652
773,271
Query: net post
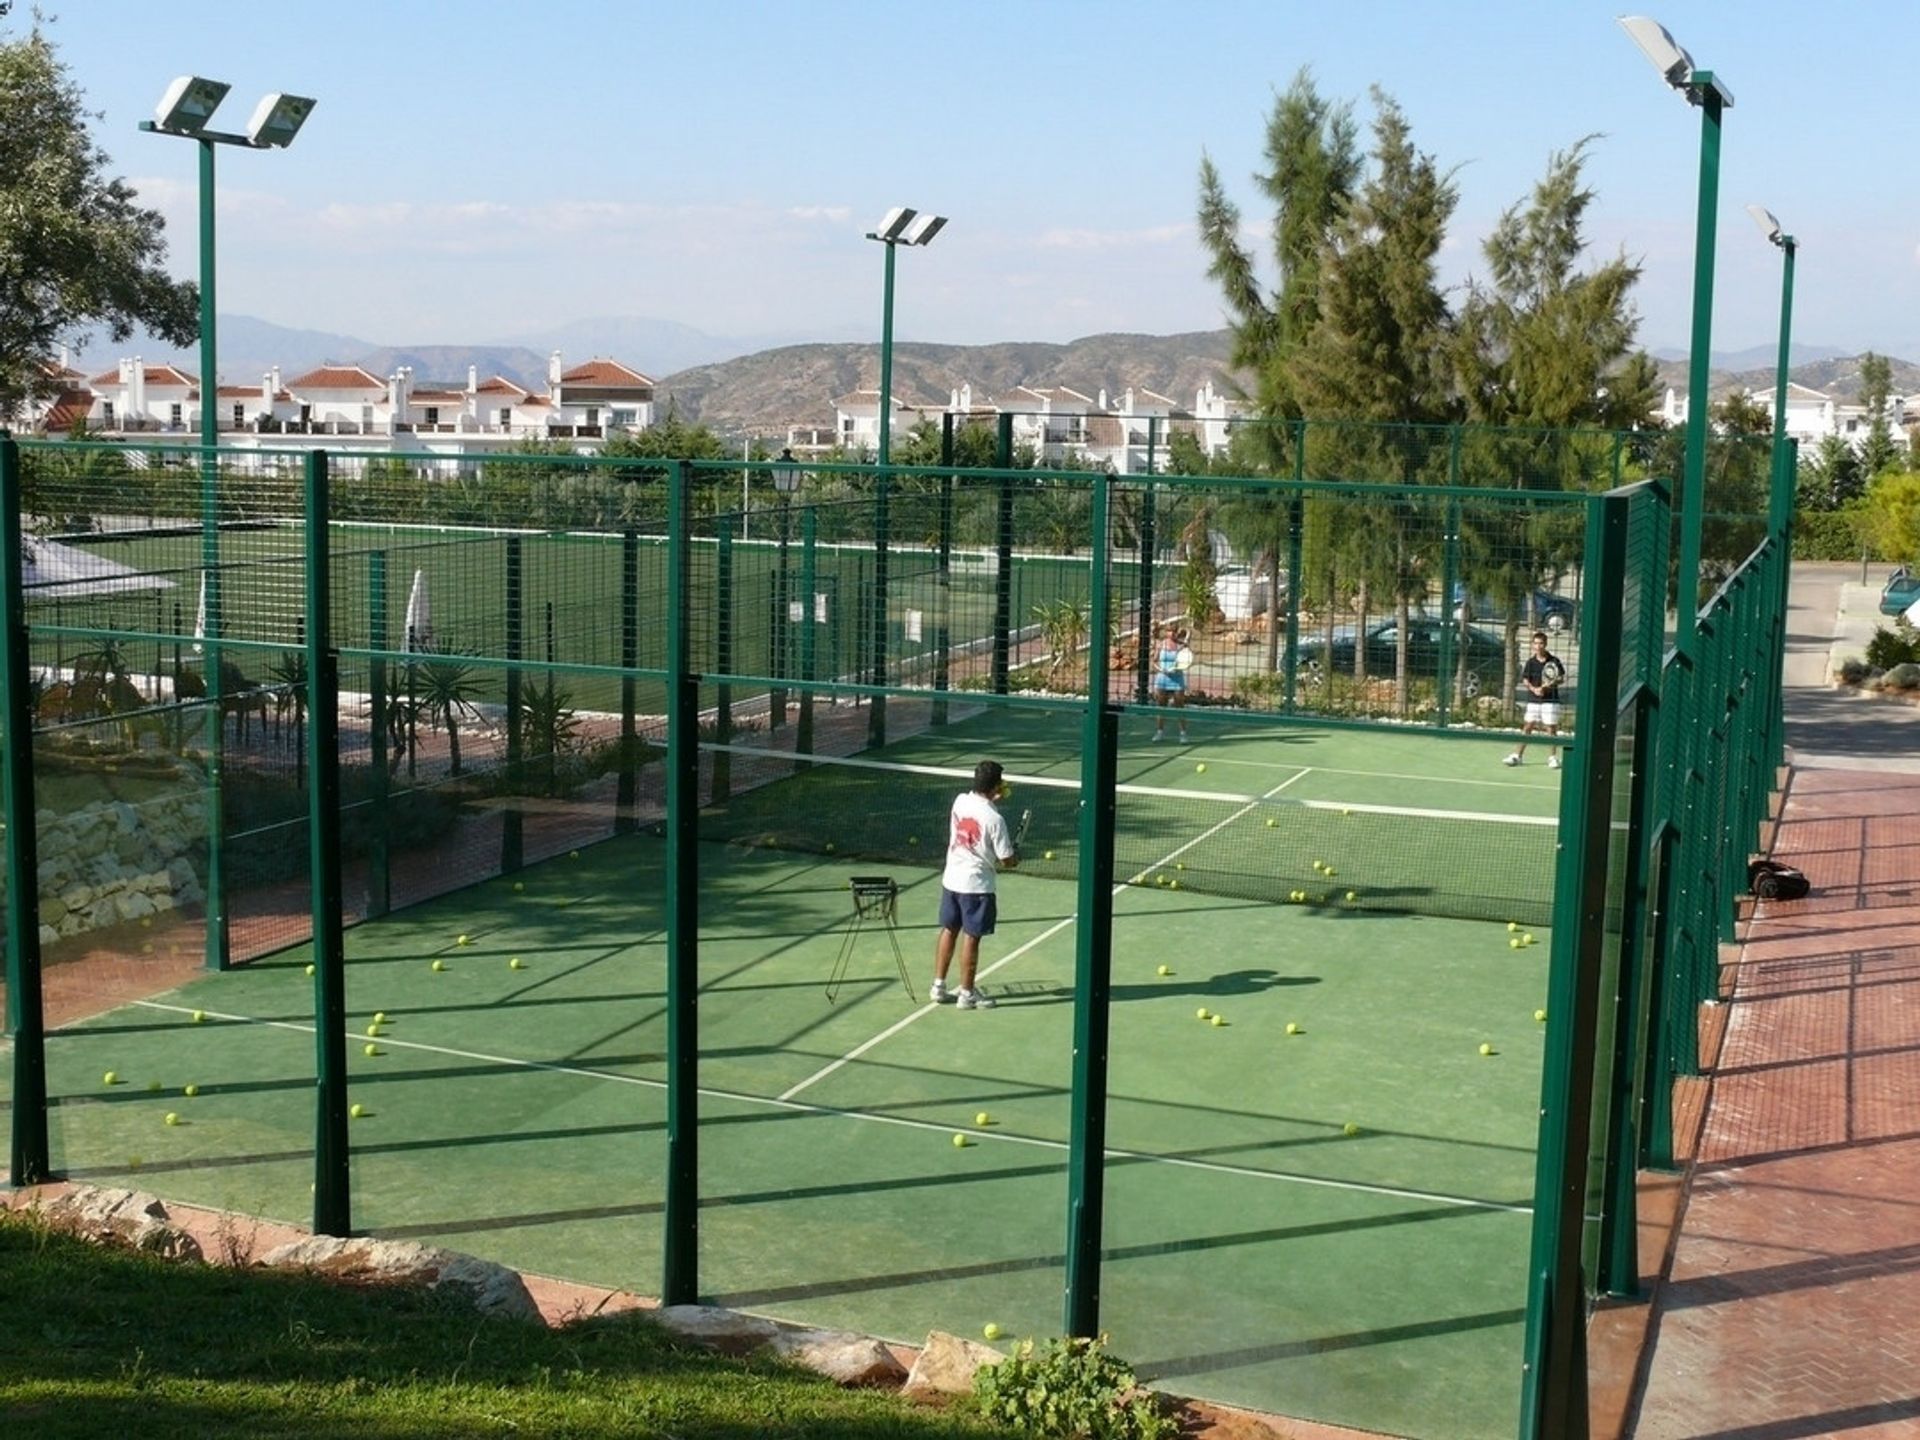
1093,956
379,851
1554,1377
943,626
1449,573
332,1203
29,1156
512,836
1003,554
217,926
679,1284
877,702
721,779
626,786
809,628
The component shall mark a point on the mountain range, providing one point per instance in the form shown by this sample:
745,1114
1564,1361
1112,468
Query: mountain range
762,385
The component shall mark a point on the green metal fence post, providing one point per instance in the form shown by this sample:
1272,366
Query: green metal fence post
681,1226
1296,523
627,786
877,702
720,776
1143,641
943,576
29,1156
1003,556
1449,572
809,628
379,848
1554,1377
1093,956
332,1190
215,885
512,830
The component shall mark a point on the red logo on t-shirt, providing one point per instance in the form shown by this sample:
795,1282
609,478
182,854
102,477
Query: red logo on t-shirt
966,833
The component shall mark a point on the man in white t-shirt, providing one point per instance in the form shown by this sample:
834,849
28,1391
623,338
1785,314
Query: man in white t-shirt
978,846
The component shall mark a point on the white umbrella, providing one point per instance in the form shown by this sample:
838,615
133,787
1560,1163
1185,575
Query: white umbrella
419,633
52,571
200,617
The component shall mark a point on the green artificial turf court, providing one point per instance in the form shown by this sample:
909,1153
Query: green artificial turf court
1330,1223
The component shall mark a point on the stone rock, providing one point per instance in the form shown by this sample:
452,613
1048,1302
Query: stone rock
946,1365
491,1289
134,905
727,1331
1902,677
48,935
841,1356
121,1217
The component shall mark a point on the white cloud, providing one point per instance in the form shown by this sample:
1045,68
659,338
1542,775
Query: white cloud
832,214
1066,239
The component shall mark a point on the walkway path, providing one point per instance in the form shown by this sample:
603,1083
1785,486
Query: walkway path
1792,1307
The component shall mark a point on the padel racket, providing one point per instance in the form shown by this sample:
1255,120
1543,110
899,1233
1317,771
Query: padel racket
1020,831
1552,673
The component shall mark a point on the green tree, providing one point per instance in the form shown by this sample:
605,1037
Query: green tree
1890,515
1879,451
1831,475
75,250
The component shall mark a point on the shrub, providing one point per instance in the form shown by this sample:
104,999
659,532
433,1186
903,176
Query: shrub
1073,1388
1890,647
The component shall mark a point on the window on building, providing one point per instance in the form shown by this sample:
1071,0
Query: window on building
175,417
433,414
366,417
239,416
624,419
106,413
593,415
506,417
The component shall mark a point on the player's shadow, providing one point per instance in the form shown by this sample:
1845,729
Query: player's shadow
1226,984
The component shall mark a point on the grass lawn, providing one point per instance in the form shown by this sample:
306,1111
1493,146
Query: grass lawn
101,1342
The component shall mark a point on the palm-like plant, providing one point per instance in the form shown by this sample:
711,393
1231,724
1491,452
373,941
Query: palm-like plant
289,673
448,690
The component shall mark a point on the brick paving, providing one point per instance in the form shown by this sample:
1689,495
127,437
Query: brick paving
1792,1307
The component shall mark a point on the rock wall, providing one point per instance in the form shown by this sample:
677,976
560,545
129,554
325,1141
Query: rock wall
113,862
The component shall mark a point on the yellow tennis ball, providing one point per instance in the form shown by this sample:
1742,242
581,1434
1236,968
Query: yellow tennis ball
1201,1013
1173,885
1165,970
1160,879
309,969
172,1119
913,839
1346,812
112,1077
959,1142
829,847
1201,768
439,965
1486,1049
1526,938
519,885
983,1118
373,1030
1271,822
372,1050
1514,943
153,1087
356,1110
516,963
461,940
990,1330
1350,1128
1328,872
1353,895
1513,927
199,1017
1540,1015
379,1017
191,1091
1293,1027
573,854
1317,866
1049,854
1216,1019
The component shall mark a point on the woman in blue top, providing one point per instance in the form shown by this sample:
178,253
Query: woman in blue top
1171,662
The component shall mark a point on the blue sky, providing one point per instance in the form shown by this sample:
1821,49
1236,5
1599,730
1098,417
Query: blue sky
478,171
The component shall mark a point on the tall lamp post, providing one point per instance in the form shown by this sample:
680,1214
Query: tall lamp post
1705,89
184,111
786,480
1782,503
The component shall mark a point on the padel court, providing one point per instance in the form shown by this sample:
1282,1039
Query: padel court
1319,1206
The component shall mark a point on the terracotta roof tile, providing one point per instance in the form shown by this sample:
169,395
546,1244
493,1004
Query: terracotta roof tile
500,385
438,397
607,373
337,377
71,406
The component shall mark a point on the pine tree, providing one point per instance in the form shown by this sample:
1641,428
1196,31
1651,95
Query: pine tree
1878,451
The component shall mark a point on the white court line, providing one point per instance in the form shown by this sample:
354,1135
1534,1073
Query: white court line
1008,959
902,1121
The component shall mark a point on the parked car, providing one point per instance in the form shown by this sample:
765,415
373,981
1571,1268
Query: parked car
1901,591
1547,610
1486,652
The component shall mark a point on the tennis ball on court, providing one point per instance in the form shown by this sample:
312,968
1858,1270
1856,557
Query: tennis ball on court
1201,768
356,1110
309,969
1216,1019
190,1091
153,1087
913,839
1164,970
990,1330
1293,1027
1513,927
519,885
1540,1015
371,1050
146,922
373,1030
1179,864
573,854
1328,871
379,1017
1526,937
462,940
1486,1049
1271,822
1174,885
1514,943
1346,812
172,1119
983,1118
829,847
199,1017
1316,866
1202,1014
439,965
112,1077
960,1142
1161,878
1049,854
516,963
146,947
1353,895
1350,1128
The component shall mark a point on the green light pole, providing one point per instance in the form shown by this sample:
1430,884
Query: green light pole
1781,508
900,226
184,111
1705,89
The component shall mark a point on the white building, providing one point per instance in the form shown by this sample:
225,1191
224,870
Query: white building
1812,415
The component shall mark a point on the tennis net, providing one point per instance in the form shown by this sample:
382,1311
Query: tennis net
1261,846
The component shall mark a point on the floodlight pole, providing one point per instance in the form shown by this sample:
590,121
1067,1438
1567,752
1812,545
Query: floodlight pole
1782,506
1702,91
886,358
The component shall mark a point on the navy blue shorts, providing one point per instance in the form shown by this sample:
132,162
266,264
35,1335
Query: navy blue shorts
974,914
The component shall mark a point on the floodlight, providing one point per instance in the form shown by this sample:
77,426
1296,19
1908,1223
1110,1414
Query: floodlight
922,230
1658,45
895,223
1769,225
278,118
189,104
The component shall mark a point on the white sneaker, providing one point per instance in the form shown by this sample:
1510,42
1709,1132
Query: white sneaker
938,993
1183,738
1158,736
1553,761
975,1000
1511,760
